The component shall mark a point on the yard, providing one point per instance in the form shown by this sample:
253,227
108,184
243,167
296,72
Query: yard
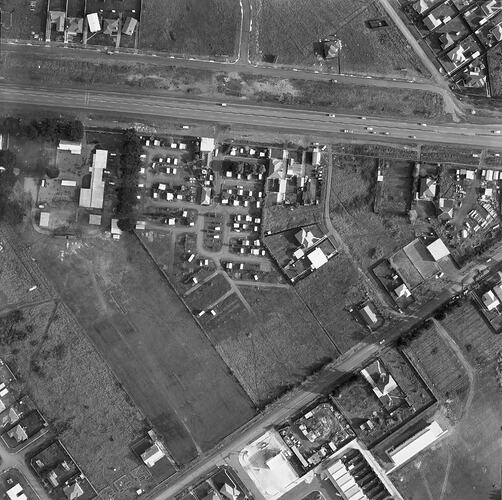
209,28
150,340
288,30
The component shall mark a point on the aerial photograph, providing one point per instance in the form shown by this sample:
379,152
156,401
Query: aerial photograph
250,249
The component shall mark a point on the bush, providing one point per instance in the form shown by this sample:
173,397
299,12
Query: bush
51,129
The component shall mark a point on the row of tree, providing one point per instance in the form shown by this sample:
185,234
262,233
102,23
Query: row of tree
130,164
51,129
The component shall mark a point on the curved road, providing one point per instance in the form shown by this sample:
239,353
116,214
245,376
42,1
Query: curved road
249,115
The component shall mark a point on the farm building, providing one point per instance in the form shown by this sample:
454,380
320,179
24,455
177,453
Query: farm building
129,26
206,144
415,444
93,22
75,148
45,218
93,197
438,249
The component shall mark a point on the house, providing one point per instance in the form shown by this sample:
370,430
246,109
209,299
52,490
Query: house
206,196
93,196
75,26
13,415
317,258
489,8
428,188
75,148
490,301
58,18
93,22
18,433
152,455
73,491
16,493
306,238
431,22
45,218
497,32
446,40
369,314
402,291
110,26
229,492
206,144
438,249
446,208
115,230
129,26
457,55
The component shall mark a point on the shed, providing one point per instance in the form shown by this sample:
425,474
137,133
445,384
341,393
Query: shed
95,220
129,26
93,22
45,218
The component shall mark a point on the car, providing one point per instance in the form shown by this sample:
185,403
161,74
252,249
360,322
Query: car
347,131
186,127
412,136
331,115
423,124
362,117
369,129
223,104
385,133
495,131
333,81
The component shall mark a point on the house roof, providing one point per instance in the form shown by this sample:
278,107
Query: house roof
489,300
93,21
73,491
75,148
428,187
45,218
206,196
16,493
438,249
95,219
306,238
75,25
115,228
110,26
317,258
402,291
129,26
152,455
58,17
230,492
93,197
368,314
18,433
206,144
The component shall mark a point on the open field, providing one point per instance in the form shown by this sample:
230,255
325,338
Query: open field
274,348
370,236
75,391
21,18
279,217
207,28
312,94
444,154
288,30
495,66
151,342
387,151
329,293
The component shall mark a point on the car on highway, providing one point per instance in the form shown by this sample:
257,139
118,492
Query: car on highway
495,131
423,124
385,133
223,104
369,129
331,115
347,131
186,127
362,118
412,136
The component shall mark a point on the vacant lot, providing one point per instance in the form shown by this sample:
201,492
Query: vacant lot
444,154
274,348
370,236
288,29
191,27
151,342
279,217
466,464
329,293
22,18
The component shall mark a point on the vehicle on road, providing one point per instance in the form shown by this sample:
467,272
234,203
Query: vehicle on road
495,131
385,133
412,136
331,115
347,131
223,104
369,129
362,117
186,127
423,124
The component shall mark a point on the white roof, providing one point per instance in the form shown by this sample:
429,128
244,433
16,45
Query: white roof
115,228
44,219
152,455
317,258
282,471
411,447
16,493
141,224
402,291
469,174
93,197
438,249
490,301
93,21
206,144
94,219
75,148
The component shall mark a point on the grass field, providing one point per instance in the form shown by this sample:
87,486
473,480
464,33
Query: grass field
314,95
191,27
20,19
151,342
289,28
274,348
435,153
279,218
466,465
370,236
341,287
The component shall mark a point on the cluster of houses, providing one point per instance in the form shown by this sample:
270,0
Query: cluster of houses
460,33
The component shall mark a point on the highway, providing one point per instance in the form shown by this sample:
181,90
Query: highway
287,119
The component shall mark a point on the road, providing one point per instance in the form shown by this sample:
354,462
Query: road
286,119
